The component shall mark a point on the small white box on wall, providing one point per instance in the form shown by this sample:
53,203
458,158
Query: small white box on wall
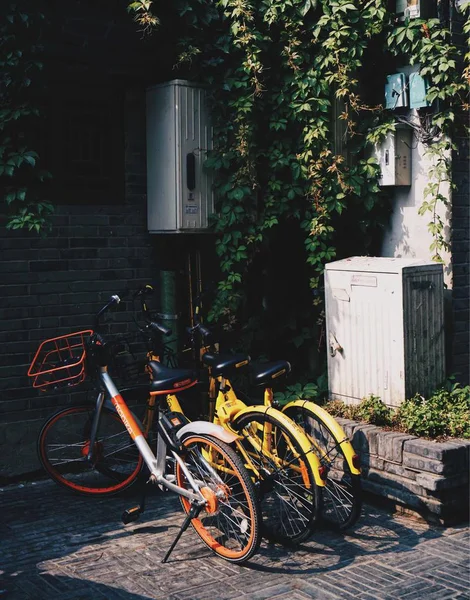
394,157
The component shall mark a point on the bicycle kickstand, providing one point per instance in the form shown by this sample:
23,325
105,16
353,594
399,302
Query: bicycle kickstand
192,514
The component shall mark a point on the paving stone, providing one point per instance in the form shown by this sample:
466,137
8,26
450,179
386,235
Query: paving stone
57,546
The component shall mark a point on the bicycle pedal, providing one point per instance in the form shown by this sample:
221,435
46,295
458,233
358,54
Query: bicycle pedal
131,514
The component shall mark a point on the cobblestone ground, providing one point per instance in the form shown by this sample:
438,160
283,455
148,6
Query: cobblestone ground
55,545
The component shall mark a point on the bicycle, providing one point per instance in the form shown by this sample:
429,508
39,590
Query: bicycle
342,497
101,450
339,463
274,449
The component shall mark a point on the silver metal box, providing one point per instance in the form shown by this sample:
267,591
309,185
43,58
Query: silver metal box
179,134
394,157
384,327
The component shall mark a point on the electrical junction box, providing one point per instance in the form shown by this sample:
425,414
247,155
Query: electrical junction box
395,91
413,9
179,135
384,328
394,157
418,87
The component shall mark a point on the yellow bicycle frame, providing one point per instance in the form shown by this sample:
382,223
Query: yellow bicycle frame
227,407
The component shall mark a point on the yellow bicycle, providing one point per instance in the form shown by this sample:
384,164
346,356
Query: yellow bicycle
275,450
339,463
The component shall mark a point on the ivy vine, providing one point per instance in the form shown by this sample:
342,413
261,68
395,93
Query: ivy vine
19,171
277,68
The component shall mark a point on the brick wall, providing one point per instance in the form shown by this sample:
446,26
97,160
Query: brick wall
460,233
53,285
427,477
92,139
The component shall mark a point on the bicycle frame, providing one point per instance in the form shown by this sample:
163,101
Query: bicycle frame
225,407
156,464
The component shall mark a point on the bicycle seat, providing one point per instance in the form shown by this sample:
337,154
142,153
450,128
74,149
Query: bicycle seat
223,364
164,378
265,373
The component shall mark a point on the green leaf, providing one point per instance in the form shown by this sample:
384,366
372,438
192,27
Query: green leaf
307,5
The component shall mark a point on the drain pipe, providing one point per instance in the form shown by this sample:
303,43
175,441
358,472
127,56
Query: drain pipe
168,306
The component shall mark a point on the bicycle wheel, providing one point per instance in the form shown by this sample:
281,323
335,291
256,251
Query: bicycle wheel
290,499
229,523
63,445
342,493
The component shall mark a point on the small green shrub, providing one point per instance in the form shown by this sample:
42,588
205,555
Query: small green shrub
445,413
336,408
373,410
297,392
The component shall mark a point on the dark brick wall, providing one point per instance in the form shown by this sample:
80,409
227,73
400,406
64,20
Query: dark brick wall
54,285
98,246
460,233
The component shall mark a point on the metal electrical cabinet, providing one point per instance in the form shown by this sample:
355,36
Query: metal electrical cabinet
414,9
179,134
384,327
394,157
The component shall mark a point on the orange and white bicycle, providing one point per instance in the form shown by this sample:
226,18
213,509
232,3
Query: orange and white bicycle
100,449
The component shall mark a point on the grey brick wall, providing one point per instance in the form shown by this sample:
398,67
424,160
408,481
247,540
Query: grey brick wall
430,478
55,284
460,244
460,232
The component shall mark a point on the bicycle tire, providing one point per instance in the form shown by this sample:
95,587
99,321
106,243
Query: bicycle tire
342,497
229,524
63,444
289,497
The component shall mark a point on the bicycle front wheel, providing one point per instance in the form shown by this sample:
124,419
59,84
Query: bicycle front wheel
229,523
290,498
64,443
342,492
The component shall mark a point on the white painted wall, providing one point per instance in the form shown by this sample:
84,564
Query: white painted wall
408,235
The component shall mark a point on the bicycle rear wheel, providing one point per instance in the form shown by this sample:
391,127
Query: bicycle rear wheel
64,443
290,498
229,523
342,493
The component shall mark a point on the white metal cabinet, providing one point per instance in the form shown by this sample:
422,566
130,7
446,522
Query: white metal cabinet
393,154
384,328
179,134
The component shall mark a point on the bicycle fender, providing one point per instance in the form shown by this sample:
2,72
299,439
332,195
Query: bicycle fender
206,428
299,433
333,426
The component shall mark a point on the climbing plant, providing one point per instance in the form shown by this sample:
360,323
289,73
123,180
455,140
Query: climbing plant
19,68
428,45
291,85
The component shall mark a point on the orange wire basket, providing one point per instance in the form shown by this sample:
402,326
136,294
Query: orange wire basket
60,362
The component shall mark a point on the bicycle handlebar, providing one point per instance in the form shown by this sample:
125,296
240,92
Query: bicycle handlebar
200,328
151,325
159,327
115,299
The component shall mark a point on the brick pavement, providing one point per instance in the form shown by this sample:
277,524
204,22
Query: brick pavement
55,545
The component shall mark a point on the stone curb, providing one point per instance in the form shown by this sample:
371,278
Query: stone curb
427,476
